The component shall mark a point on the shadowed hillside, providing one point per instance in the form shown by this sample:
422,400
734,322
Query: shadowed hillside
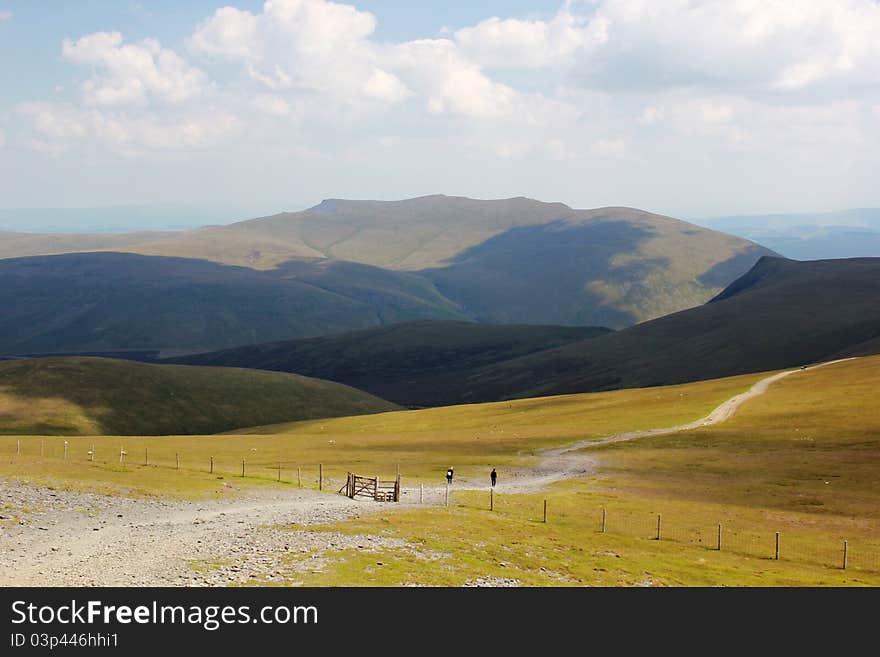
782,313
117,301
417,364
95,396
513,260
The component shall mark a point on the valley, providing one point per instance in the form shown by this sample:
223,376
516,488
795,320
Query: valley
679,471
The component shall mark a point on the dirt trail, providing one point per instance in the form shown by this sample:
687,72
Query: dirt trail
58,538
571,462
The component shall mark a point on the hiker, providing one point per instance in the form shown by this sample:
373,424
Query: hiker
449,475
493,475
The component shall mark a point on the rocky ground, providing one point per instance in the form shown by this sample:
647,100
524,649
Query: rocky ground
58,537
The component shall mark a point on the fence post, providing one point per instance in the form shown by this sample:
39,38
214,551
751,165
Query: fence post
545,510
491,499
242,467
604,517
146,456
844,554
777,546
719,536
320,476
658,526
42,447
299,476
18,448
279,472
177,460
212,465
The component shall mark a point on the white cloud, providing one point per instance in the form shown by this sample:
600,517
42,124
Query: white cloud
449,83
385,86
784,45
610,147
229,31
741,123
57,128
271,104
307,45
596,90
650,115
130,73
516,43
326,49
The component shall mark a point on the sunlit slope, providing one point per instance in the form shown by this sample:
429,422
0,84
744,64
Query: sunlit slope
87,396
515,260
422,443
795,469
810,443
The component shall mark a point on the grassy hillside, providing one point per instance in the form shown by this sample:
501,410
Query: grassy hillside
512,260
782,313
423,442
94,396
761,472
118,301
607,267
414,364
801,460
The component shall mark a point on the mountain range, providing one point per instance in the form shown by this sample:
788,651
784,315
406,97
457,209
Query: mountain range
781,313
345,265
809,236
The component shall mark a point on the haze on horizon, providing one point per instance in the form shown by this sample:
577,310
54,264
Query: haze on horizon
691,109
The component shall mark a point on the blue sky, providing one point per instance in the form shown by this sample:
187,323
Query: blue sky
692,109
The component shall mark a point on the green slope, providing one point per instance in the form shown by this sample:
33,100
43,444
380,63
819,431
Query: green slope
414,364
782,313
95,396
514,260
117,301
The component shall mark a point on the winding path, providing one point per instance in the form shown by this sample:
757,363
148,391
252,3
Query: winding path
72,538
570,462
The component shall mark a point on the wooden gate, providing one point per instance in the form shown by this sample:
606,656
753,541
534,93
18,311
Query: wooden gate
374,487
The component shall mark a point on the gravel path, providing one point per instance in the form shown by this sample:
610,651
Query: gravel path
66,538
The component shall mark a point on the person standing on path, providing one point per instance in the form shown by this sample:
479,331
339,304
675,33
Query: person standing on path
493,476
449,475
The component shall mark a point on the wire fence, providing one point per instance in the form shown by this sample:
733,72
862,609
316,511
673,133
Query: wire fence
738,537
746,539
300,473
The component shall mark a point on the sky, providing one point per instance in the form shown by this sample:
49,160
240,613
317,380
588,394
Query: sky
683,107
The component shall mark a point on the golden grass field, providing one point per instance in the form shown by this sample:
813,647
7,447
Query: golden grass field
802,460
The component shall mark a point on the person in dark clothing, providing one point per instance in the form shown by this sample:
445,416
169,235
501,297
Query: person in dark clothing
449,475
494,476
